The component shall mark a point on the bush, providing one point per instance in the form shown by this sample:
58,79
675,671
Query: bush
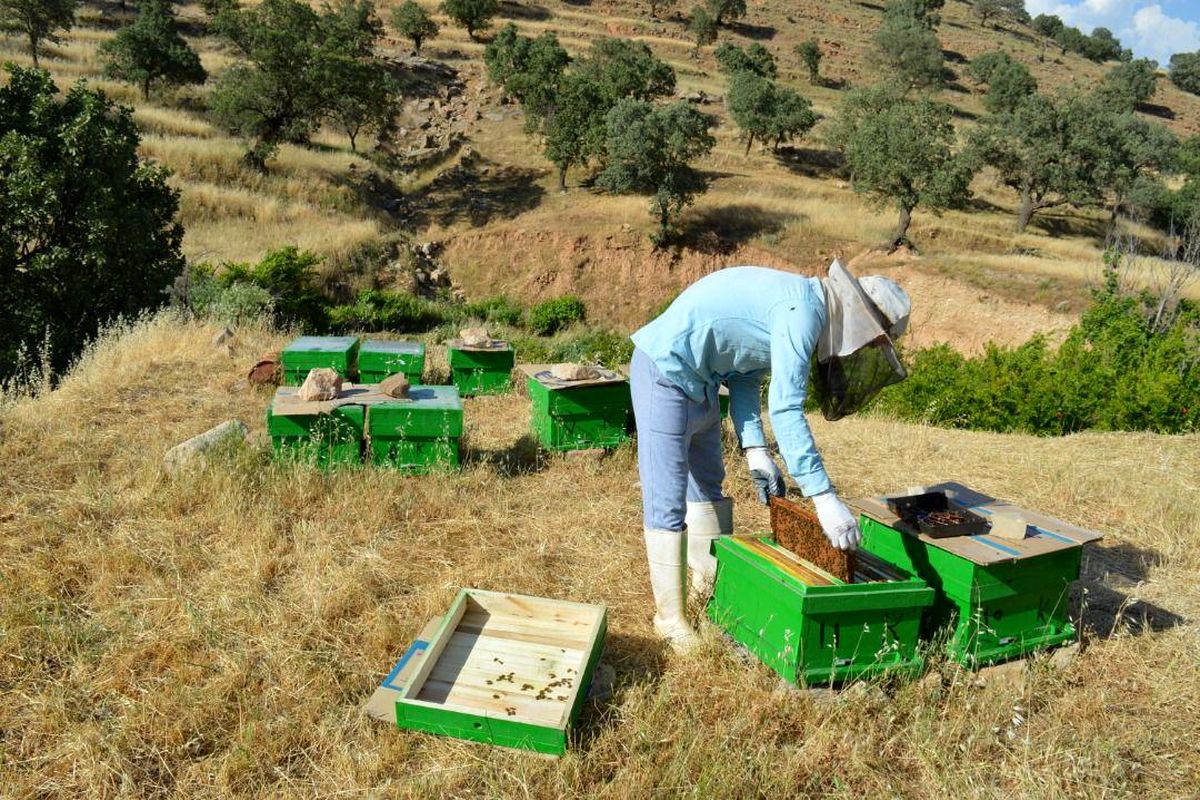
588,346
376,310
289,276
498,310
235,304
546,319
1115,371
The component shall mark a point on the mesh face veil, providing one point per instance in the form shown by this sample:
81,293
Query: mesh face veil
855,355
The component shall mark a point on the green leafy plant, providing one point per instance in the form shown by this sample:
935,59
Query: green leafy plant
152,49
551,316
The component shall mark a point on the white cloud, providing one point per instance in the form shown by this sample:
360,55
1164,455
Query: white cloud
1159,36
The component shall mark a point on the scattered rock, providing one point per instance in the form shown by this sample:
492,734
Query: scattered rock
223,336
240,385
192,451
574,372
321,384
932,684
395,386
1062,658
494,116
1010,673
1062,306
475,337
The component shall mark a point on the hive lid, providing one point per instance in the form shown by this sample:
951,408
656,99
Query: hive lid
400,347
287,402
1049,535
321,344
492,346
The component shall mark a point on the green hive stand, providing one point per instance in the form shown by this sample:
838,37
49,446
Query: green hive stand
996,599
815,634
323,440
478,371
417,435
339,353
579,418
379,359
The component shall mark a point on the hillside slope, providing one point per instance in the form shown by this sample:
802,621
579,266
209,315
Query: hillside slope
216,634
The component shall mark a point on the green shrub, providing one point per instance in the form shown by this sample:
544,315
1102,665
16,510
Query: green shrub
586,346
290,276
1118,369
548,318
376,310
498,310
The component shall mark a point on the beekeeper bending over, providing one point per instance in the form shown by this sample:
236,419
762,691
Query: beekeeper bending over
735,326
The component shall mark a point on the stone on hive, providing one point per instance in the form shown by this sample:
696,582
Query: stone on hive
395,386
574,372
321,384
474,337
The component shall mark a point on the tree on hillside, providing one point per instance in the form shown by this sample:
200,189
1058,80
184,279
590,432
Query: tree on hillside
414,23
910,53
726,11
297,66
1185,71
39,20
1048,25
531,70
920,11
1103,46
660,5
624,68
1000,10
1131,83
152,49
764,110
810,53
87,230
1036,149
1127,151
474,15
755,58
576,131
368,101
703,28
900,152
1008,81
649,151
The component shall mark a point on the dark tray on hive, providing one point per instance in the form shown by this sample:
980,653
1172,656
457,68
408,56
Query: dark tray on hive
936,515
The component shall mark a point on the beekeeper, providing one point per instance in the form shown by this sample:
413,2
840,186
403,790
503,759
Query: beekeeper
734,327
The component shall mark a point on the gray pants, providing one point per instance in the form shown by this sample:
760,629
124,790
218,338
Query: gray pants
679,446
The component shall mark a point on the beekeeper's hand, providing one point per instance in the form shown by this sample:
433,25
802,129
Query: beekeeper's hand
839,524
768,480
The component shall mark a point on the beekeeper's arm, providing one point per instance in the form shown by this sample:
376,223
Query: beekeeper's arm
793,341
745,411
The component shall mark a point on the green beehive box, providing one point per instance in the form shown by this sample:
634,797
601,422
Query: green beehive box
419,434
307,353
810,627
324,440
479,371
589,416
379,359
996,599
504,669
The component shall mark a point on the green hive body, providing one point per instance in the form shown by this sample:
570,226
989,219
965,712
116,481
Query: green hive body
814,635
580,418
323,440
479,372
307,353
379,359
419,434
994,612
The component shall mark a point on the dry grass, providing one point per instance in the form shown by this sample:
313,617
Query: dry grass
216,635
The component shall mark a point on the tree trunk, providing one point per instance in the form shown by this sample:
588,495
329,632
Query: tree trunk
353,143
417,45
146,90
562,178
749,141
901,234
33,47
1025,213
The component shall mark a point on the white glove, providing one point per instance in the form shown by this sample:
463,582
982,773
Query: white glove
840,525
768,480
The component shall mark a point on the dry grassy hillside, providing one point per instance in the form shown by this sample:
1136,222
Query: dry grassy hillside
505,226
216,634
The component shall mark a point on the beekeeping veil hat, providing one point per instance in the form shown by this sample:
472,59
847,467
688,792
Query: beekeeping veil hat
856,356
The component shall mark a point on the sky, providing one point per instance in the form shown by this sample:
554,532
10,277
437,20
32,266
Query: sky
1151,28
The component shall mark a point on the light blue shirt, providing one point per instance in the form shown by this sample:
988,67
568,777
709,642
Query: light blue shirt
735,326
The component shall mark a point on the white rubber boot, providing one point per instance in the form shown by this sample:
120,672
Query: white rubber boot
665,552
705,522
